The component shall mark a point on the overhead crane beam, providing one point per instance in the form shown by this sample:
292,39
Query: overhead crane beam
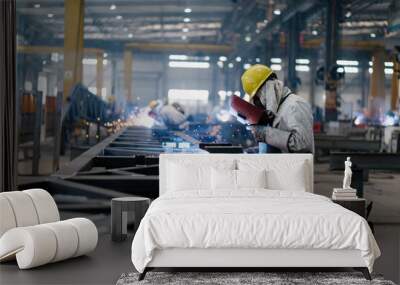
206,48
345,44
53,49
73,44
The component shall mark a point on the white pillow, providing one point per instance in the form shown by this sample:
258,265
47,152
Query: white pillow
251,178
223,179
281,174
290,177
188,177
193,176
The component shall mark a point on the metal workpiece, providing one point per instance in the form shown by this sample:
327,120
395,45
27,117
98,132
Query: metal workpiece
120,207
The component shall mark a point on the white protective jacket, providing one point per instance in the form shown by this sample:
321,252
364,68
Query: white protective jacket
292,127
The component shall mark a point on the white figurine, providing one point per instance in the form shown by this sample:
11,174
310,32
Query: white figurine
347,174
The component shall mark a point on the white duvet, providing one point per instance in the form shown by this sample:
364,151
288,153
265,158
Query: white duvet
250,219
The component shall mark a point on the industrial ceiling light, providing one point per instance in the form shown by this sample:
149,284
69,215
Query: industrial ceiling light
265,21
105,54
222,58
238,59
50,15
247,39
372,35
277,12
186,20
314,32
246,66
348,14
36,6
258,59
184,38
189,64
185,30
230,65
188,10
257,31
118,17
220,64
130,36
113,7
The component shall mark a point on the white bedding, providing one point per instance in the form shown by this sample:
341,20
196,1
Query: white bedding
250,219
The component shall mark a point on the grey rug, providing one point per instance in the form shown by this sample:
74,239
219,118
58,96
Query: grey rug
269,278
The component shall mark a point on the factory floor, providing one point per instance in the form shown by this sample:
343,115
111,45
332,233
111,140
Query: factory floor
110,260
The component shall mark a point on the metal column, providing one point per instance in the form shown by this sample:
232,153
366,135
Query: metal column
364,83
214,82
312,73
331,46
128,75
377,103
292,49
99,73
73,43
394,102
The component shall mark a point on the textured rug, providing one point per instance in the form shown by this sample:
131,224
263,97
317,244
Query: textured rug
242,278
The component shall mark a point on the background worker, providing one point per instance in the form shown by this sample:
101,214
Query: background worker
172,115
289,125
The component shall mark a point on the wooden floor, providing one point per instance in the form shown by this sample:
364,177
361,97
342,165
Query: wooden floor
103,266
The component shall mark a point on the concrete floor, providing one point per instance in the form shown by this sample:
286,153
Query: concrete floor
103,266
110,260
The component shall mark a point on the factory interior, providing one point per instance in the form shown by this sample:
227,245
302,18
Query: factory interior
96,94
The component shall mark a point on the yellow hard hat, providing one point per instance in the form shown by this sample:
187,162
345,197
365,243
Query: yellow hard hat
254,77
153,104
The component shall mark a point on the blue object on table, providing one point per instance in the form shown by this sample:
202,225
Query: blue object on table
266,148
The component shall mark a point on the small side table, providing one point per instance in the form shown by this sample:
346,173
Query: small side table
356,205
119,215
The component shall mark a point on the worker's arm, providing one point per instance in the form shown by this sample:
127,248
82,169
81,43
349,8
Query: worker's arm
295,133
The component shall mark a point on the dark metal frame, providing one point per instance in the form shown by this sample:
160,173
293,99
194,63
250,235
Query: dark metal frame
363,270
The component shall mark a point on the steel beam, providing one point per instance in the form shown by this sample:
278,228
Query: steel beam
206,48
73,44
365,160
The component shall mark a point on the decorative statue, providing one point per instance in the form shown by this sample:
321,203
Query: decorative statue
347,174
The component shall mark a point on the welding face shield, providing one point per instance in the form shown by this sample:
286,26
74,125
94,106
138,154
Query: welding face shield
269,96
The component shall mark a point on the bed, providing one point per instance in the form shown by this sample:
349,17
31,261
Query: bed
245,211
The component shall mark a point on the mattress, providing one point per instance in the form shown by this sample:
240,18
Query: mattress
251,219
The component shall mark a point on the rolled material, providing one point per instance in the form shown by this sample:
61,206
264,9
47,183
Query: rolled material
46,208
37,245
7,218
23,208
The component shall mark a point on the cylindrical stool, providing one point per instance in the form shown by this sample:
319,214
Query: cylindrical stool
119,215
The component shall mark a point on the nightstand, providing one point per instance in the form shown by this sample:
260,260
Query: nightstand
356,205
119,215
